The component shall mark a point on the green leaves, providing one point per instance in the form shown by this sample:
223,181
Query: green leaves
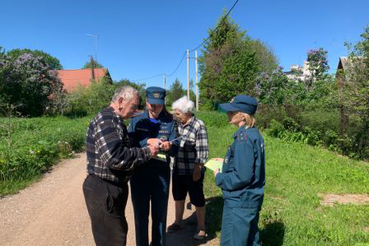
229,65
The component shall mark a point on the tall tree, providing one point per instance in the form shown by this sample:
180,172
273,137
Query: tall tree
318,63
51,61
175,92
228,65
265,56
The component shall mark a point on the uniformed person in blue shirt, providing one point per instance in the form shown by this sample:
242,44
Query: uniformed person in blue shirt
150,181
242,178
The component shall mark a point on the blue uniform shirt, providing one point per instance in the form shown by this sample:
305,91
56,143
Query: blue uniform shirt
242,178
143,127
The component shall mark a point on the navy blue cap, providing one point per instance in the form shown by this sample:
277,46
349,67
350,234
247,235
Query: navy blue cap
242,103
155,95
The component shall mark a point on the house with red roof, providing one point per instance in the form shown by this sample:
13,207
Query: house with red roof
73,79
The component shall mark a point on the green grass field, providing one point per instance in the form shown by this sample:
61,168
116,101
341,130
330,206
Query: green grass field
296,173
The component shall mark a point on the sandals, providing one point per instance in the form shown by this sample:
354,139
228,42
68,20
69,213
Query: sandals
201,235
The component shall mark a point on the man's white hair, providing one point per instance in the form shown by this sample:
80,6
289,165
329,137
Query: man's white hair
126,92
183,105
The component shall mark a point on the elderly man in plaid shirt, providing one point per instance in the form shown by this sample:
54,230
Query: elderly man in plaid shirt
110,162
188,173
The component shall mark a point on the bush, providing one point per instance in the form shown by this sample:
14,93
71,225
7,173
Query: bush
90,100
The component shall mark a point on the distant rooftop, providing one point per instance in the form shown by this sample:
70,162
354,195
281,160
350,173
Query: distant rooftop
80,77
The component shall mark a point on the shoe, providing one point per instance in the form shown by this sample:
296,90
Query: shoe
201,235
175,227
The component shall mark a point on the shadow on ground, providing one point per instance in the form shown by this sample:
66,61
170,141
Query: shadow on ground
273,234
184,237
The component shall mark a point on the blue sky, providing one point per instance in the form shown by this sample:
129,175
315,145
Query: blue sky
139,39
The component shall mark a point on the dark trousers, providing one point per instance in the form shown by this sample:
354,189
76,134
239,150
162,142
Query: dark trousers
150,185
240,227
106,203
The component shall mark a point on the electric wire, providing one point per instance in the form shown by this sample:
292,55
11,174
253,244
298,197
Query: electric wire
184,54
234,5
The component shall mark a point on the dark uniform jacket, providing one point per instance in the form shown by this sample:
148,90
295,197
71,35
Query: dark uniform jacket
242,178
142,128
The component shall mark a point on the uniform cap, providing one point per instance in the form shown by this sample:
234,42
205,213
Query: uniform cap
155,95
242,103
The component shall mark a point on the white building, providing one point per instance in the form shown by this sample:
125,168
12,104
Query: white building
298,72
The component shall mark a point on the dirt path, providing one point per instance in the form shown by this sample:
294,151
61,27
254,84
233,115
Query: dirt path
53,212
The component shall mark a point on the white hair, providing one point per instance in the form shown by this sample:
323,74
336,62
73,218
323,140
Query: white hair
183,105
126,92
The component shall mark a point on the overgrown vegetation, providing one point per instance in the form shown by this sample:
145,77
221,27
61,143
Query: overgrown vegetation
29,147
296,174
315,107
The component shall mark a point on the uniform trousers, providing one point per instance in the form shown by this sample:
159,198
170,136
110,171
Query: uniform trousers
240,227
106,203
150,188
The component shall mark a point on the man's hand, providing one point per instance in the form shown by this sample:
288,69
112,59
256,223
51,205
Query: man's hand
196,175
166,145
153,141
154,150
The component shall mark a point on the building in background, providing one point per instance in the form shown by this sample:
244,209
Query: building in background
298,72
72,79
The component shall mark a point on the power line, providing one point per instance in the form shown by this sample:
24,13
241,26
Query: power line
161,74
179,64
216,27
151,77
184,54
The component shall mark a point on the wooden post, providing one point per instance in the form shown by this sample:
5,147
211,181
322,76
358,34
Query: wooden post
197,81
92,68
188,75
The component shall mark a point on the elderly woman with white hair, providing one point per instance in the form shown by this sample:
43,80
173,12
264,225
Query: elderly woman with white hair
188,173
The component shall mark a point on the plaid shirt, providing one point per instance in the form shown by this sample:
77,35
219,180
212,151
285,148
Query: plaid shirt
108,148
193,146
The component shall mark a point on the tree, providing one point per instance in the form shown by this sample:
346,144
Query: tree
265,56
29,83
355,92
175,92
95,63
228,65
318,63
51,61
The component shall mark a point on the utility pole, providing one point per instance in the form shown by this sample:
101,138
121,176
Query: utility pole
197,81
164,81
188,75
95,37
92,68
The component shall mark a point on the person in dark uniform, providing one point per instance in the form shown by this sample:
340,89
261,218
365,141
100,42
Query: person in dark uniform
150,182
110,161
242,178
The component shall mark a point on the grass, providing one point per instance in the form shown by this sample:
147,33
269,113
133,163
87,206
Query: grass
296,174
34,145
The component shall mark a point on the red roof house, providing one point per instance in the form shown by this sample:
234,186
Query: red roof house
72,79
